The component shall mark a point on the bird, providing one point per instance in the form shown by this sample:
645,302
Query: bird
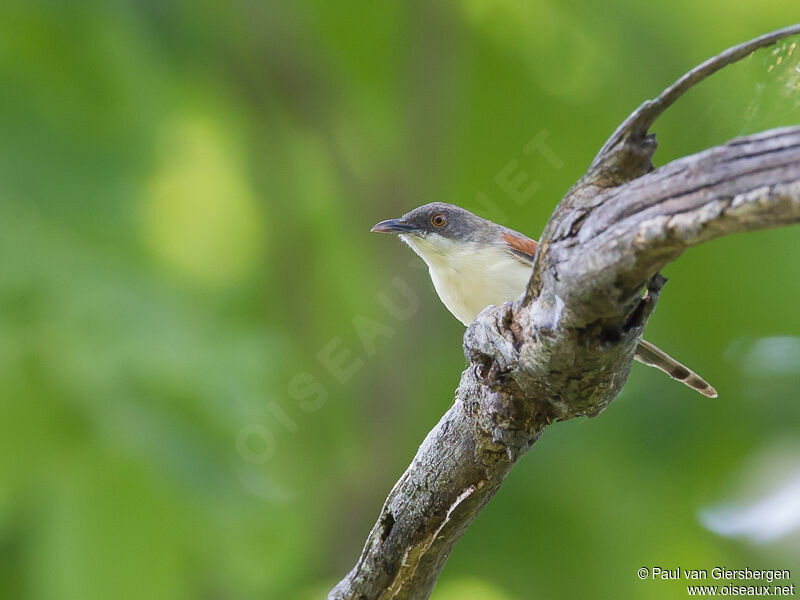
475,263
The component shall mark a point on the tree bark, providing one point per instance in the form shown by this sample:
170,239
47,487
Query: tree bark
564,349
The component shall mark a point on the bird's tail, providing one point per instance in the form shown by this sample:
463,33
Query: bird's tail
648,354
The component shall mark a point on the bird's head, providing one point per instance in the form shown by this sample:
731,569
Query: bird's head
439,228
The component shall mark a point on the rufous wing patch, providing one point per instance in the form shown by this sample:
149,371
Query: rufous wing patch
523,247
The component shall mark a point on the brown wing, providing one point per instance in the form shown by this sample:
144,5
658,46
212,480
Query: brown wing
520,246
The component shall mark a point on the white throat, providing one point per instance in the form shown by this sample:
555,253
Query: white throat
469,277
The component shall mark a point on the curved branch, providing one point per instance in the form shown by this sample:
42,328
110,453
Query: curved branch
633,230
627,153
565,349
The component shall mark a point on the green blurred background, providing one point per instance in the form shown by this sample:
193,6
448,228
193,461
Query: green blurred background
186,192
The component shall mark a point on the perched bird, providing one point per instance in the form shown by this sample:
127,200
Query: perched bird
474,263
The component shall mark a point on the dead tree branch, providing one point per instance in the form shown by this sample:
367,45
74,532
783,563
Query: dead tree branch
564,349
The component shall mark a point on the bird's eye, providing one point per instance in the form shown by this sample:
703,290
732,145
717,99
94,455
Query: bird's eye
438,220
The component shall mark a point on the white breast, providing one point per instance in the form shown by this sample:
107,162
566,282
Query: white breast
467,279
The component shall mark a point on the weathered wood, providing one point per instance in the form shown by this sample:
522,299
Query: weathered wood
564,349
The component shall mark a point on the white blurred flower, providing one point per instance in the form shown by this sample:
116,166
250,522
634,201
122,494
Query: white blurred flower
768,508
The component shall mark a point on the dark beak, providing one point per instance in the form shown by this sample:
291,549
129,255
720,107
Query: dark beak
393,226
